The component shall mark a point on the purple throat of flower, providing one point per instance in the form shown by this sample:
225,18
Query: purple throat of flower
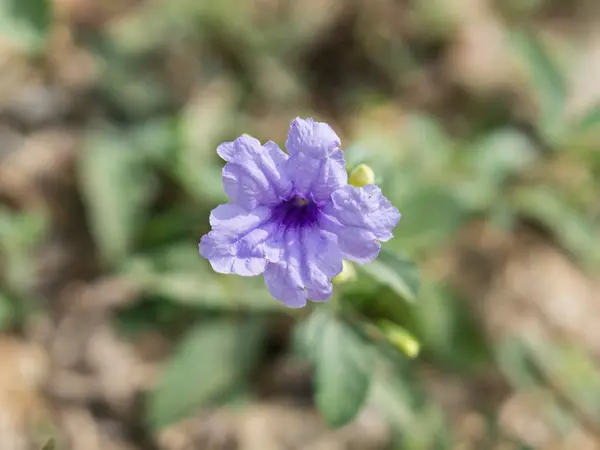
296,212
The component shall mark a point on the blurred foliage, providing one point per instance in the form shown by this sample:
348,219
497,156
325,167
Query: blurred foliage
175,78
210,359
343,366
26,22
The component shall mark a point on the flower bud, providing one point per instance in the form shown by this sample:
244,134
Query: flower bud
400,338
347,274
361,176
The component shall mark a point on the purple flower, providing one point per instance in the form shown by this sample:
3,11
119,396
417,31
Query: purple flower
294,218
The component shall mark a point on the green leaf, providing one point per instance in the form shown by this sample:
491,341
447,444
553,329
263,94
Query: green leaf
50,445
572,229
435,318
502,153
399,392
371,145
203,125
26,22
513,359
491,160
590,121
395,271
134,92
116,189
211,292
343,366
430,145
430,215
156,139
571,371
19,234
8,313
179,274
343,375
213,358
308,334
395,396
546,80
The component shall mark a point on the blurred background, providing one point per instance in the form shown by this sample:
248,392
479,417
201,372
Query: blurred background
480,119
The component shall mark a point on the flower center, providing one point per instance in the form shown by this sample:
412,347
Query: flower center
297,212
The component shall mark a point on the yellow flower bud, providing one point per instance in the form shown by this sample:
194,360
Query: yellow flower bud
400,338
348,273
361,176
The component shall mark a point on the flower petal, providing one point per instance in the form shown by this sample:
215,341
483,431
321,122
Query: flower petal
310,260
254,174
360,217
315,139
317,178
239,242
